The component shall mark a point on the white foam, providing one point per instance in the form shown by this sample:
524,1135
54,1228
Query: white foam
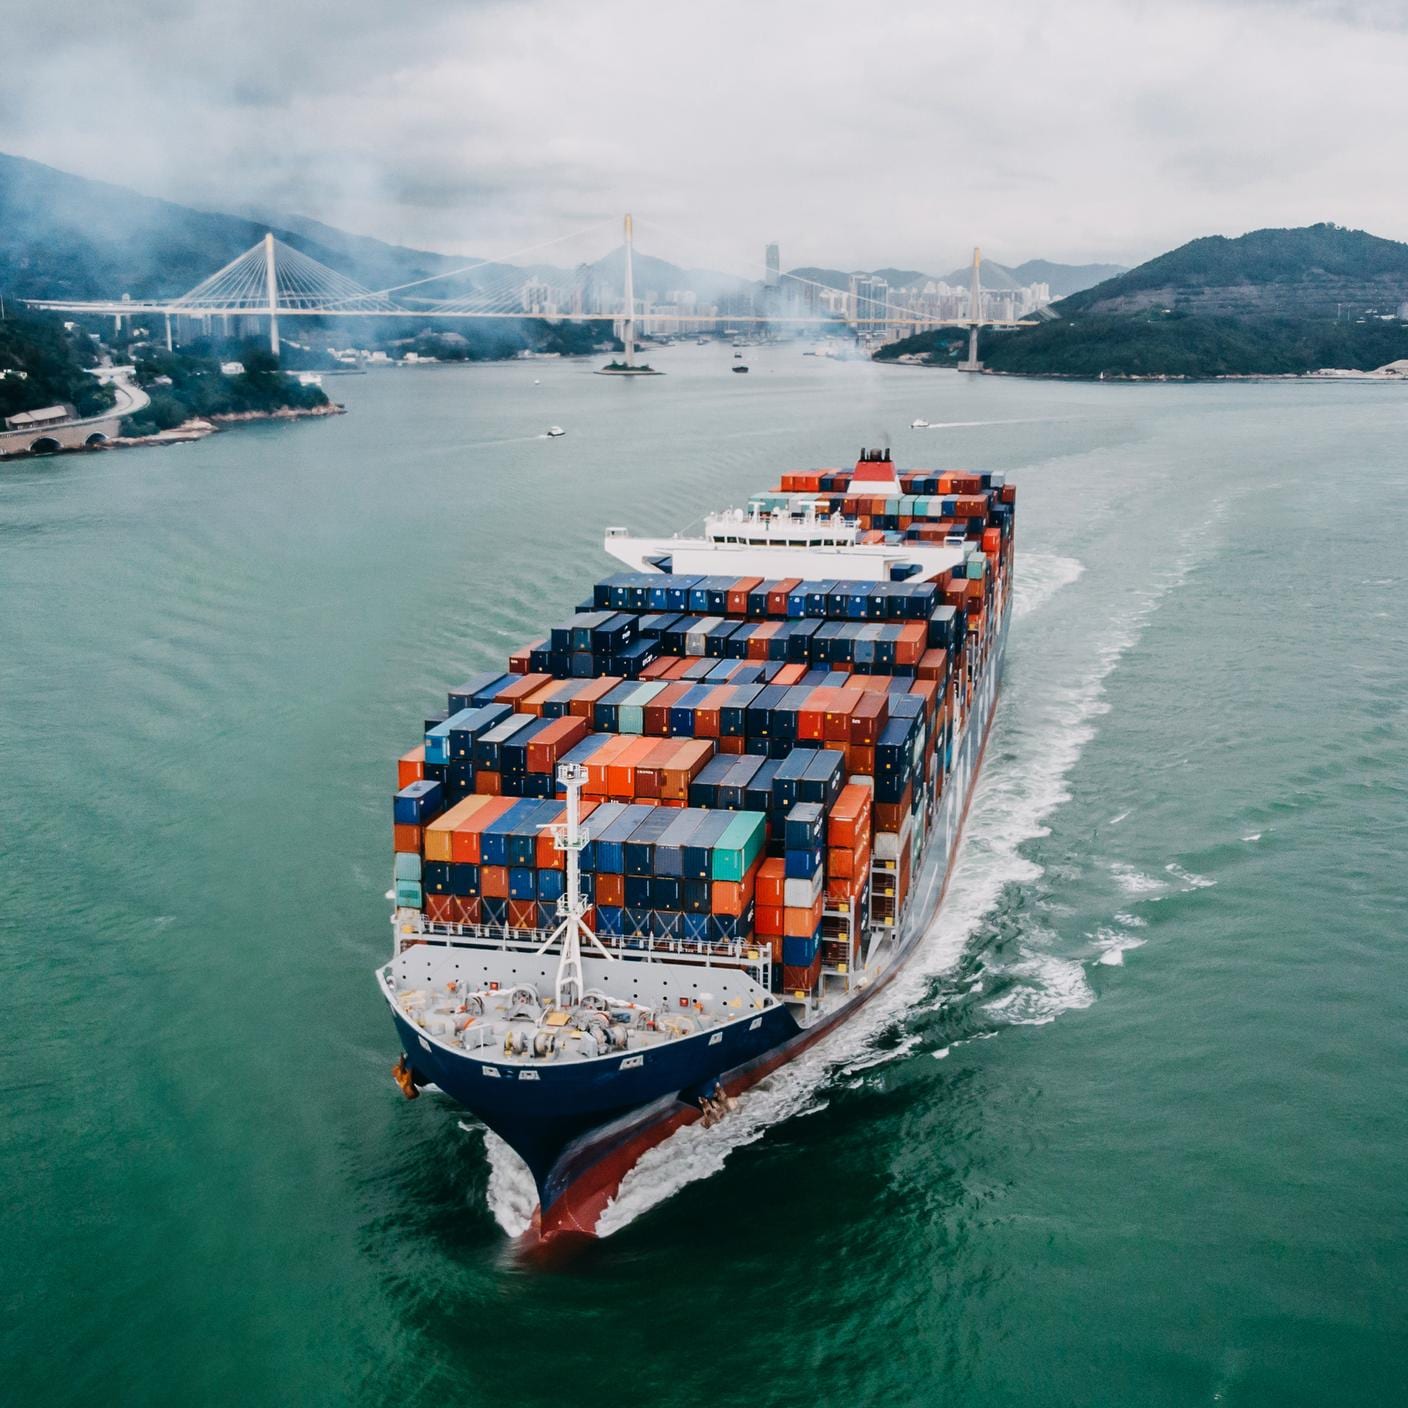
1113,944
1039,576
1131,921
1255,836
1134,882
1115,820
1047,985
1190,881
940,1054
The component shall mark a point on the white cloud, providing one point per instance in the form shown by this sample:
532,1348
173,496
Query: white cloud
894,133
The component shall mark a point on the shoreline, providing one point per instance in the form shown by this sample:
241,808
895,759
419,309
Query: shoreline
1128,378
197,428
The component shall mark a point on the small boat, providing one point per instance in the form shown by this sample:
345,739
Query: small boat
703,341
919,425
738,369
738,354
554,431
536,382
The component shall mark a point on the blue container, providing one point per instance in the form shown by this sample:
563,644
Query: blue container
697,859
640,848
595,824
551,884
695,897
695,927
418,802
464,879
801,953
611,841
609,920
805,829
522,883
637,891
669,848
494,911
801,864
435,877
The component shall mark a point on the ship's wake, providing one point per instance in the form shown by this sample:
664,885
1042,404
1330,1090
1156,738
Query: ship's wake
1040,731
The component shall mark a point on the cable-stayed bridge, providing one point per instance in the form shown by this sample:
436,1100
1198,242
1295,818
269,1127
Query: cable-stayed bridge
274,281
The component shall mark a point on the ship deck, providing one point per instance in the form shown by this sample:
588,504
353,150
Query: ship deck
516,1026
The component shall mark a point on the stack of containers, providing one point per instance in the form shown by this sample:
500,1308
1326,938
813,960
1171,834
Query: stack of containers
804,833
848,845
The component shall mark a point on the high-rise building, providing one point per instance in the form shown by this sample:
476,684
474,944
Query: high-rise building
774,266
869,297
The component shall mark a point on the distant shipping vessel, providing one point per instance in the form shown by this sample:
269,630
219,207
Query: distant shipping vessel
702,822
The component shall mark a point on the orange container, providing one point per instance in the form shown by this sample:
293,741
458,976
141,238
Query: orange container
584,700
730,896
551,742
860,761
410,767
464,840
490,783
758,641
520,688
438,833
493,882
598,783
772,875
799,923
790,674
676,776
610,889
533,704
928,691
621,770
932,664
471,911
406,839
734,746
849,821
910,645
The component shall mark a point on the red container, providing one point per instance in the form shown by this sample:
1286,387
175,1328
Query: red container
410,767
493,882
736,599
767,921
464,839
868,716
838,714
443,909
656,714
522,914
406,839
777,597
589,691
801,980
549,744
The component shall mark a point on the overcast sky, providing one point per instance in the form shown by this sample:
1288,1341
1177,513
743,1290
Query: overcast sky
855,134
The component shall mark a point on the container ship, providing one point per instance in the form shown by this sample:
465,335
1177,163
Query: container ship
699,824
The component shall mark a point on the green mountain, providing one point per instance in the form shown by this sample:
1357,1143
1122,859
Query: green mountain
1315,271
1272,302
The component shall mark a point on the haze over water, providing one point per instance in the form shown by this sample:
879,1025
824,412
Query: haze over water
1130,1130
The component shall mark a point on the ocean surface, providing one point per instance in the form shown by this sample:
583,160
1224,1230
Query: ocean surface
1132,1129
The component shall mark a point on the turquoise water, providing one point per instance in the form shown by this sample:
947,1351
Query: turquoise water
1132,1127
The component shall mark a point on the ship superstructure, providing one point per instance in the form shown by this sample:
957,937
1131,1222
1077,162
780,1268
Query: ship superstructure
695,827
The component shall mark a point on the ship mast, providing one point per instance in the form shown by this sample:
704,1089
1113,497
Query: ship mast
570,837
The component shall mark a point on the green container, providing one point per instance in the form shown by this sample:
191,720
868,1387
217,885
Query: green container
408,895
739,846
977,566
407,867
630,716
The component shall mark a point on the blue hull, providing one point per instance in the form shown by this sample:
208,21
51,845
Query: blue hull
585,1123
